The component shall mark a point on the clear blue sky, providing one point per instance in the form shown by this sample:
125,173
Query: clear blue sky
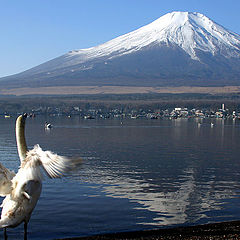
35,31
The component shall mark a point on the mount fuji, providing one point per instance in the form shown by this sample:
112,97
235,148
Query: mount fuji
178,49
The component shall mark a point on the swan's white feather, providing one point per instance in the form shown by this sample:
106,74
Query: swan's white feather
17,207
27,183
54,164
5,180
23,190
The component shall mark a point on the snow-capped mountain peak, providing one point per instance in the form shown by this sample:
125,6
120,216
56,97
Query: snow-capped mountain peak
179,48
190,31
193,31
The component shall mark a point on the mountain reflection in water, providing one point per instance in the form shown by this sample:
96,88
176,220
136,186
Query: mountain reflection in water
136,175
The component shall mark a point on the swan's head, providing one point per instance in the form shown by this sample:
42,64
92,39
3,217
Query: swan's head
20,125
21,120
25,116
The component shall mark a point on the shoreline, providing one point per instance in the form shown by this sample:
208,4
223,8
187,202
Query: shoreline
223,230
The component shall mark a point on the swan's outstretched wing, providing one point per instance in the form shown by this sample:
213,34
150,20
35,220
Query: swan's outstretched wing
54,165
5,180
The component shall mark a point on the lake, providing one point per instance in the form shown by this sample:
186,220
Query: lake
136,174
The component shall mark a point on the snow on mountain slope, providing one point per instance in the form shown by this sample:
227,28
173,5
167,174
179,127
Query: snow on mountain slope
178,49
189,31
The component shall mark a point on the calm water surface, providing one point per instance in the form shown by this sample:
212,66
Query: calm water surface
141,174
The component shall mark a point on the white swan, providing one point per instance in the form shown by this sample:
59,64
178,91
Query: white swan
22,190
48,125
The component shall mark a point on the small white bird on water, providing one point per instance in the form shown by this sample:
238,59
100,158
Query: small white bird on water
22,190
48,125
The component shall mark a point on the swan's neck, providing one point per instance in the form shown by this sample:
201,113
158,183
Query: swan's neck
20,137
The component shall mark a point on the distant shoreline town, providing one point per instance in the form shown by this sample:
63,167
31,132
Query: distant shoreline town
131,113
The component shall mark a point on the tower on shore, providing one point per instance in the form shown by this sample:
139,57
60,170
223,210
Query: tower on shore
223,107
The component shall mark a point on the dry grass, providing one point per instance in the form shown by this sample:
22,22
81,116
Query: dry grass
75,90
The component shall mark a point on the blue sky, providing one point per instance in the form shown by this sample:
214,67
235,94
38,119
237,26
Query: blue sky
35,31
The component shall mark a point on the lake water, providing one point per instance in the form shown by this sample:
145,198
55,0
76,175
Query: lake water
140,174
